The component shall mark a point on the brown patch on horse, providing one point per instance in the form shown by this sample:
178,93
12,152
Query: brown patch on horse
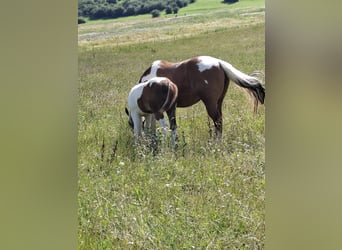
158,97
192,84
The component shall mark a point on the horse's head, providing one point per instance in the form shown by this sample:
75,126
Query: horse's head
130,120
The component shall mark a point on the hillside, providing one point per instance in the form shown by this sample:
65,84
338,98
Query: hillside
200,17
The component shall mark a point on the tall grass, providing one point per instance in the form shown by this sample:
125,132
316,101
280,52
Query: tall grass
204,194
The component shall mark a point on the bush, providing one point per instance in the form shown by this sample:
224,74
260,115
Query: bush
155,13
114,12
98,12
230,1
80,20
168,10
180,3
130,11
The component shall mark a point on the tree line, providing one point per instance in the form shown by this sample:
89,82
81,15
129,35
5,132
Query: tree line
105,9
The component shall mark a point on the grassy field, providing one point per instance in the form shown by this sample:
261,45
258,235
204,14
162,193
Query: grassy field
193,21
203,195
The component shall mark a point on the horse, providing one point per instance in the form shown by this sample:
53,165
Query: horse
152,97
206,79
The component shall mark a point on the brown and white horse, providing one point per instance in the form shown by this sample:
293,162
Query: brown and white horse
205,78
152,97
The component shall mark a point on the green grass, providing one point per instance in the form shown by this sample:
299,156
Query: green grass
205,6
156,30
203,194
193,20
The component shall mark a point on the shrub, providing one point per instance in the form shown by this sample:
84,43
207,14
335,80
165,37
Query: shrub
80,20
230,1
130,11
168,10
155,13
98,12
180,3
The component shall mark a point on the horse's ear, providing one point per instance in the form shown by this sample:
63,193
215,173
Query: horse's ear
126,110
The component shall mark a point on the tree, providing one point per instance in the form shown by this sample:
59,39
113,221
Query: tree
99,9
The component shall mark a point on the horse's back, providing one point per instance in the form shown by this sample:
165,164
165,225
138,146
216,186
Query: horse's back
155,94
195,78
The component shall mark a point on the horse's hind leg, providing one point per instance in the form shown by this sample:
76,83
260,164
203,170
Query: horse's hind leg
215,112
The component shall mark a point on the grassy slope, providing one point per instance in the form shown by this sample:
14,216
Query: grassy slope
200,6
202,195
203,6
192,20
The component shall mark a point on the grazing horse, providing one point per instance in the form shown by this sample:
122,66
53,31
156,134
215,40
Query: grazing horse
205,78
154,96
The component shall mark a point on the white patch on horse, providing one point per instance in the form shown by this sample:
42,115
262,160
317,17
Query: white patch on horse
156,79
134,95
206,82
153,73
206,63
163,126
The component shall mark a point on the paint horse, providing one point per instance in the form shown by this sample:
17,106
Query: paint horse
205,78
152,97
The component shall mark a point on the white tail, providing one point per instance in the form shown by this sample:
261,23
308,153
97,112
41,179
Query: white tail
250,83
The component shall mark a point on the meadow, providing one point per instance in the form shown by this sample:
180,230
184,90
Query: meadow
203,194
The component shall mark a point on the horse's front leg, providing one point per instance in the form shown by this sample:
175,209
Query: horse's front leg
136,126
150,124
171,113
160,118
163,126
